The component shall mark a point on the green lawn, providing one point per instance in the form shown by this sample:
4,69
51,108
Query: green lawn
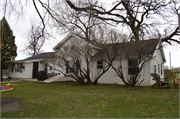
68,100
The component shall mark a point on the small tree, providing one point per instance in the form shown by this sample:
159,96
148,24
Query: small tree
137,54
8,51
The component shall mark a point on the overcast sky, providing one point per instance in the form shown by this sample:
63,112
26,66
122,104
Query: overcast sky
20,29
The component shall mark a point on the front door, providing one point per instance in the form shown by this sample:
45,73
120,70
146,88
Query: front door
35,69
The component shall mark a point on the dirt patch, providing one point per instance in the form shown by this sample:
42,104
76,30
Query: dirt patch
10,104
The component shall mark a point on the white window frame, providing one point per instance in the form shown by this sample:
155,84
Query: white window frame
132,67
100,65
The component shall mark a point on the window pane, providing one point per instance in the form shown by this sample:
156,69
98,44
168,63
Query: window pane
132,70
132,66
132,63
12,68
73,43
158,68
65,48
154,68
99,64
45,67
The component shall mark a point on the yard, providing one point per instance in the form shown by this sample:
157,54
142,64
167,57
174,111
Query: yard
68,100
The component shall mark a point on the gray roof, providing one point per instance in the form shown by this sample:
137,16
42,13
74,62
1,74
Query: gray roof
129,49
88,40
46,55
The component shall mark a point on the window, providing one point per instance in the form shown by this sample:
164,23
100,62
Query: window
66,48
99,64
132,66
20,67
72,66
16,68
158,68
154,68
161,70
73,44
12,68
46,67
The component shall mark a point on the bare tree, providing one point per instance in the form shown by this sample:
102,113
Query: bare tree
77,61
77,22
135,54
141,17
35,41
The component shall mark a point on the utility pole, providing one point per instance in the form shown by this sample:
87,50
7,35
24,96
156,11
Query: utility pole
179,29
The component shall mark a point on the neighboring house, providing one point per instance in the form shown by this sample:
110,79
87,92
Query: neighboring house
153,48
32,66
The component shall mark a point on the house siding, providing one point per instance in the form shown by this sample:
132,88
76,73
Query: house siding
15,74
28,70
157,60
110,77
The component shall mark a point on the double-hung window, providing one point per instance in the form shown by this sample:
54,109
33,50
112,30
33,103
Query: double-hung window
16,67
73,43
132,66
99,64
72,66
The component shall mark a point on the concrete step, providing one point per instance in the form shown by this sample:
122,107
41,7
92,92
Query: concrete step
52,79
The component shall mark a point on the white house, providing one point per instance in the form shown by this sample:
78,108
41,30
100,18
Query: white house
153,49
154,55
32,66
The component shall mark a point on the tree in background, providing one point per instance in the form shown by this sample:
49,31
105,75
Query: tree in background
8,52
35,41
142,18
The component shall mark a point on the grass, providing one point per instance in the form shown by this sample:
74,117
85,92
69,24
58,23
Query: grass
72,100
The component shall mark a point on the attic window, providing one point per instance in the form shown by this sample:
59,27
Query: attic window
73,43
